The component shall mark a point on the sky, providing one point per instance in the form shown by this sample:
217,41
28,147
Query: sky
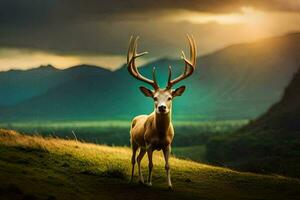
71,32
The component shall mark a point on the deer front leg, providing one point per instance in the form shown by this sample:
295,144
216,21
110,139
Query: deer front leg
167,152
134,149
139,159
150,165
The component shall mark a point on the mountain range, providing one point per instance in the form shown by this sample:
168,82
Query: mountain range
238,82
270,143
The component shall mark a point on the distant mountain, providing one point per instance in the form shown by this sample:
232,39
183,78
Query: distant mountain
244,80
269,144
19,85
240,81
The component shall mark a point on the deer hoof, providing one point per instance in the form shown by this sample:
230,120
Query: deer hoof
149,184
170,188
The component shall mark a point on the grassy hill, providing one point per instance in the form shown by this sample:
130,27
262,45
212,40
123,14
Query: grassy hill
33,167
238,82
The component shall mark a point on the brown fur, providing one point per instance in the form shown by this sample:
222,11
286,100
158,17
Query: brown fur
153,130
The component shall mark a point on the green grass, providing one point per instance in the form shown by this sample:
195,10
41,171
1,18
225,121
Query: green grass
260,151
34,167
196,153
117,132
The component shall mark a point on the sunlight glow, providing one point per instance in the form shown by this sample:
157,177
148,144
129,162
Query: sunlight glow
247,15
24,59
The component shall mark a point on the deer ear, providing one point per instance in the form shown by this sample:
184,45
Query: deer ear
146,91
178,91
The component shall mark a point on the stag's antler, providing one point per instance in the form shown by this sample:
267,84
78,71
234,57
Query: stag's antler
131,56
190,65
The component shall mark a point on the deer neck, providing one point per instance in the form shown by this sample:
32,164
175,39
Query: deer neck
162,123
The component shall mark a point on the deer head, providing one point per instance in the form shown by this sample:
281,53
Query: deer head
162,96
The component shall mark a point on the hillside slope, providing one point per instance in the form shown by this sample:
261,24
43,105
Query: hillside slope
33,167
238,82
285,114
269,144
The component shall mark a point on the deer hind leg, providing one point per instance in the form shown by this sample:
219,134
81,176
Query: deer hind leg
139,159
134,149
150,165
167,152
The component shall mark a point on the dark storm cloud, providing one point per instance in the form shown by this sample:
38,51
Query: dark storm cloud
98,26
70,9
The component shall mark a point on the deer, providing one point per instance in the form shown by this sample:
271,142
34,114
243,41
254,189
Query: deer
155,131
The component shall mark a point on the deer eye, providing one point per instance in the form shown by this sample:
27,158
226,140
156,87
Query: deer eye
155,99
169,99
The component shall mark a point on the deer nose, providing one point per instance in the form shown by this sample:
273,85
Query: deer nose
162,108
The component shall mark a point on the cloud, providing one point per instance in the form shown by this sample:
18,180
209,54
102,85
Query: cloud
96,28
24,59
